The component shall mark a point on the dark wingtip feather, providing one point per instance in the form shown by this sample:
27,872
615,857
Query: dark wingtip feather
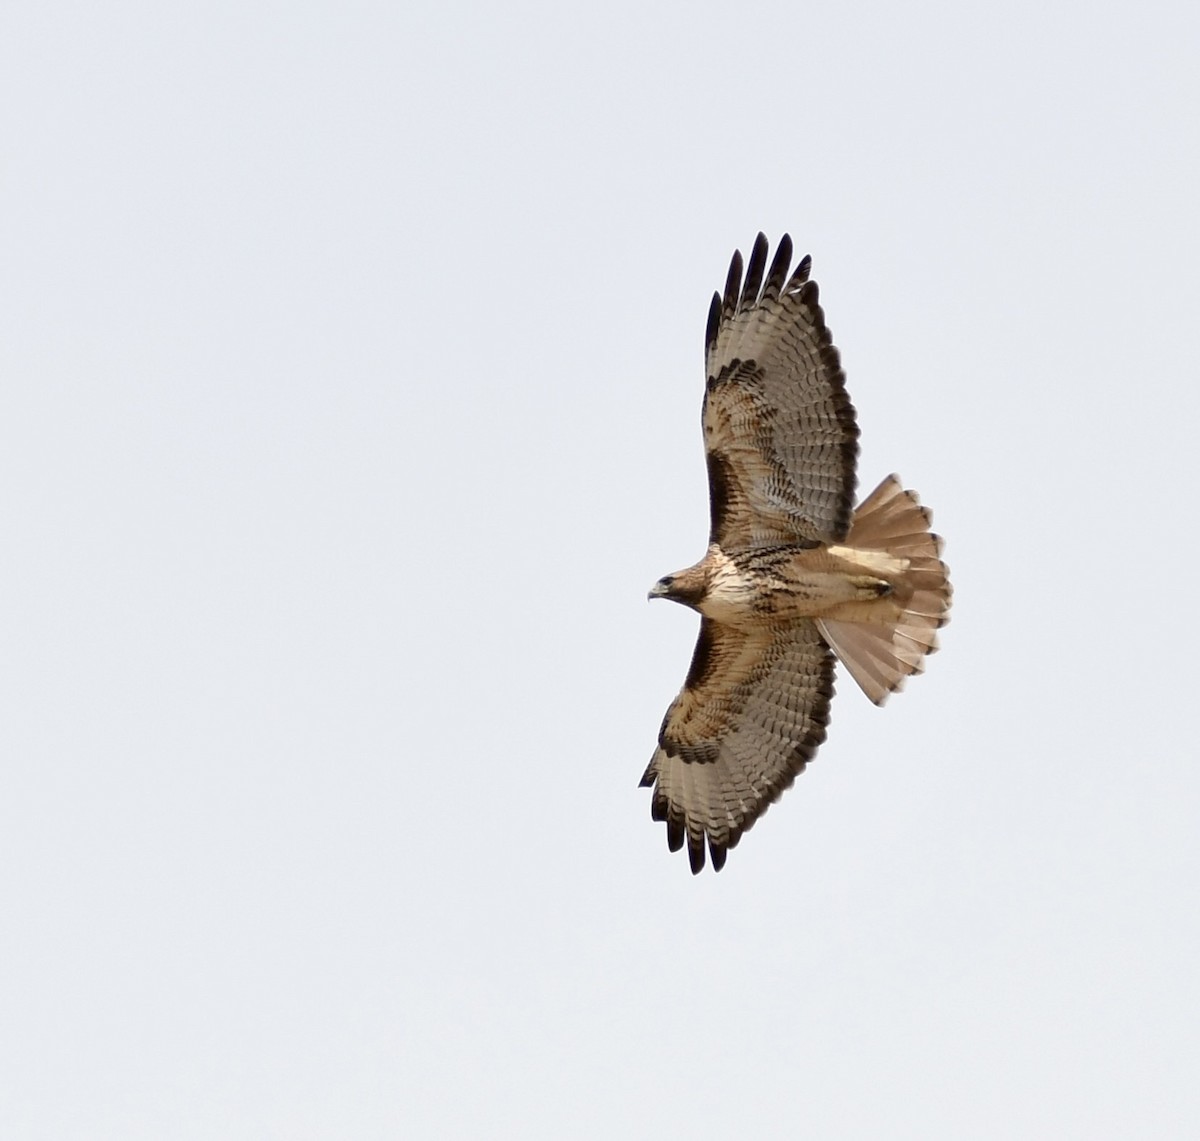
733,285
800,274
754,271
777,274
714,323
718,853
674,835
696,854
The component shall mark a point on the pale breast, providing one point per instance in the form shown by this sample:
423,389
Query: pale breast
733,592
763,588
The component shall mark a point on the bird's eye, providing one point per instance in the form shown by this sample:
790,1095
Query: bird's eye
666,580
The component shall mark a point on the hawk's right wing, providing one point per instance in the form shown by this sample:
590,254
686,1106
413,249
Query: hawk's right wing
750,716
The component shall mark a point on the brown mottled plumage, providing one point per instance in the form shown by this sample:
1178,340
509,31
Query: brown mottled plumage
793,574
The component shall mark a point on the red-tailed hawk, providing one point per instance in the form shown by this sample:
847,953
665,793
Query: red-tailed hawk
793,574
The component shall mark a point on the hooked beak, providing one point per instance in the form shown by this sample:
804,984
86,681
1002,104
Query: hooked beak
658,590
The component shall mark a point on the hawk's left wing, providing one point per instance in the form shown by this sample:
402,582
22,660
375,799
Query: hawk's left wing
779,428
749,718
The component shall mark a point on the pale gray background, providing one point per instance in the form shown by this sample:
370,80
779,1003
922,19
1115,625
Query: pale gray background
351,364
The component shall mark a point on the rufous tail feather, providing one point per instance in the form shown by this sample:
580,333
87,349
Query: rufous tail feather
896,632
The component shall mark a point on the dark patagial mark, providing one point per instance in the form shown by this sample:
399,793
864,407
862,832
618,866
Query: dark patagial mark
720,488
702,656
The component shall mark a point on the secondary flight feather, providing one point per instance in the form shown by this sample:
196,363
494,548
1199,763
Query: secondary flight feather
794,576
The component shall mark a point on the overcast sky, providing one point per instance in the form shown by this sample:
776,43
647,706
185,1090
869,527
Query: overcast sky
351,374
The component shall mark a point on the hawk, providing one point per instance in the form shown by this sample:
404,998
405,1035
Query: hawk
794,575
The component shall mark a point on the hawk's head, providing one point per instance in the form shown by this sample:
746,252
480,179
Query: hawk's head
685,587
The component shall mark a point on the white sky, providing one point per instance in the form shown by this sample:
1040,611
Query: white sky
351,366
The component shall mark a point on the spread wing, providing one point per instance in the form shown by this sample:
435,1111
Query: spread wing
749,718
779,428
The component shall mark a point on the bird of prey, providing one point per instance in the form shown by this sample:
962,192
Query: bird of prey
794,575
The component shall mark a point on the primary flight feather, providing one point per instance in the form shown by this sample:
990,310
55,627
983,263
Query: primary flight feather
794,576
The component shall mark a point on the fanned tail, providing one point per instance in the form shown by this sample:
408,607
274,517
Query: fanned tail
891,640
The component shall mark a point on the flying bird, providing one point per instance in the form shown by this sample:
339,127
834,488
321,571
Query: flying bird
794,575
